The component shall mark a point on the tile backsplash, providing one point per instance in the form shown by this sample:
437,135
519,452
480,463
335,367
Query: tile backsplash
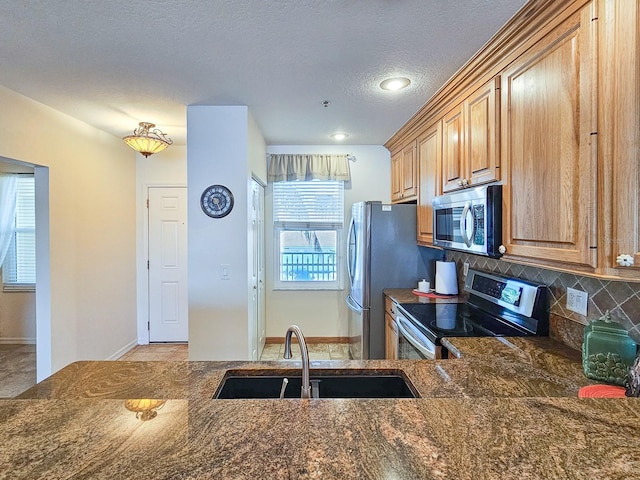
621,298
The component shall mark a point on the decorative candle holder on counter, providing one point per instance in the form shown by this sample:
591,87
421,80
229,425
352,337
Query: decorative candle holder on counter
607,351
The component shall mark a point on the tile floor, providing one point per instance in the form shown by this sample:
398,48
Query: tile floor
317,351
160,352
17,369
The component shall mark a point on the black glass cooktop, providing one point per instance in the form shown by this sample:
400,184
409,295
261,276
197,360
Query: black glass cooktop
437,320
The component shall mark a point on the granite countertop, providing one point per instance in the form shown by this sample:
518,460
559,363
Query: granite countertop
506,408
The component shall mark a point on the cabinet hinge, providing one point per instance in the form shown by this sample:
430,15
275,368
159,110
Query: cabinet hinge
147,264
594,19
593,133
593,248
147,203
149,326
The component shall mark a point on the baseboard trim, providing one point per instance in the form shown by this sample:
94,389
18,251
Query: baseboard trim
123,350
17,341
270,340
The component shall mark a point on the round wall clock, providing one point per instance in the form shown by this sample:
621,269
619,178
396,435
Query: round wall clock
216,201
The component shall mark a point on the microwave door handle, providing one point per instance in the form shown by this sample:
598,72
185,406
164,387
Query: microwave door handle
431,354
463,224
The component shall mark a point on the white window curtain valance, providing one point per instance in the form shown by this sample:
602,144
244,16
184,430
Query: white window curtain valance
288,168
8,185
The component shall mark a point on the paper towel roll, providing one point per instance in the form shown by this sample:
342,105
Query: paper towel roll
446,278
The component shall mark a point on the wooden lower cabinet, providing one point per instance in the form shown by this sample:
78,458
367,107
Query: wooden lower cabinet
391,331
550,150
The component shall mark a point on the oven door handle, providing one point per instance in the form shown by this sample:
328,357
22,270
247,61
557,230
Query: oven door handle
412,338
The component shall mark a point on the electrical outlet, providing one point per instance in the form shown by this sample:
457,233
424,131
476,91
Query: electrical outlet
465,268
577,301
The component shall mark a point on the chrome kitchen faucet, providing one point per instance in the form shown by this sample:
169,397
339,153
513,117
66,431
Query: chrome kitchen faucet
306,388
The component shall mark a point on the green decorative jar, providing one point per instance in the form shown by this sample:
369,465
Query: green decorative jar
607,351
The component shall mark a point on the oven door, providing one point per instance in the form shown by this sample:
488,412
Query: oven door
413,344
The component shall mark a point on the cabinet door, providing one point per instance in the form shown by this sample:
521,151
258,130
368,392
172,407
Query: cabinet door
618,135
391,338
409,172
452,150
429,161
548,118
396,176
481,135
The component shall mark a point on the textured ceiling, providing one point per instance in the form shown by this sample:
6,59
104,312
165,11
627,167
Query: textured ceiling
117,62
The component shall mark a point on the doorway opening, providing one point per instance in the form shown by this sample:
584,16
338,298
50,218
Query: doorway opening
25,314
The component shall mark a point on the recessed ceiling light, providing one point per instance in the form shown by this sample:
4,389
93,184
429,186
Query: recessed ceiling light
397,83
339,136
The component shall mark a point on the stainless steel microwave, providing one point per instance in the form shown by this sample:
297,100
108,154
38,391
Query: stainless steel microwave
469,220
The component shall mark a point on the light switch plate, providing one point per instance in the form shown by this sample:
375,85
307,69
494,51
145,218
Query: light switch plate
465,268
225,272
577,301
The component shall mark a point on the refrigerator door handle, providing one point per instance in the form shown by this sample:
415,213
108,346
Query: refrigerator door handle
353,305
350,253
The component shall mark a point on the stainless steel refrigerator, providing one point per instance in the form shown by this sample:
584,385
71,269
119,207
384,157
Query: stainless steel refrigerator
382,253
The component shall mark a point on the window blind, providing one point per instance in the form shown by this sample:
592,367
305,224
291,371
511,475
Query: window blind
311,203
19,266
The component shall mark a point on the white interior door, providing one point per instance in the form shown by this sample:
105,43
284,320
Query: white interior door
257,324
168,303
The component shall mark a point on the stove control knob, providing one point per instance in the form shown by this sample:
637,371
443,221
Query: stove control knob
502,249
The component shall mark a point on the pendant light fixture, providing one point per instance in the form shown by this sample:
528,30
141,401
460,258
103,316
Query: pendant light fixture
147,139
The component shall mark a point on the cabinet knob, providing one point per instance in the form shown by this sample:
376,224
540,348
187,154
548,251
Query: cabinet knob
502,249
465,182
624,260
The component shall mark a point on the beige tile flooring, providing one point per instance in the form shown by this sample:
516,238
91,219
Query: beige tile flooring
160,352
317,351
17,369
176,352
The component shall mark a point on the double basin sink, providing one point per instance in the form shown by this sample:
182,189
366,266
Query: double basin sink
346,383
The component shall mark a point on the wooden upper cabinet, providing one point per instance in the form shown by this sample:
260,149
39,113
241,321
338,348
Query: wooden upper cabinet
619,136
548,151
404,174
482,133
409,172
470,153
429,164
396,176
453,149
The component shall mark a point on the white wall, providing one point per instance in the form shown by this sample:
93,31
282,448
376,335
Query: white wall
165,169
17,316
223,145
90,306
324,313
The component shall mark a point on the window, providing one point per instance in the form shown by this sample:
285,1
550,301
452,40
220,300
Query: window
19,266
308,218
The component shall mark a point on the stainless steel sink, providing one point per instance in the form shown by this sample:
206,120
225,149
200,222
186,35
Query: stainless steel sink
247,384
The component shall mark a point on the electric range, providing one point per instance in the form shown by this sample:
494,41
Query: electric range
497,306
